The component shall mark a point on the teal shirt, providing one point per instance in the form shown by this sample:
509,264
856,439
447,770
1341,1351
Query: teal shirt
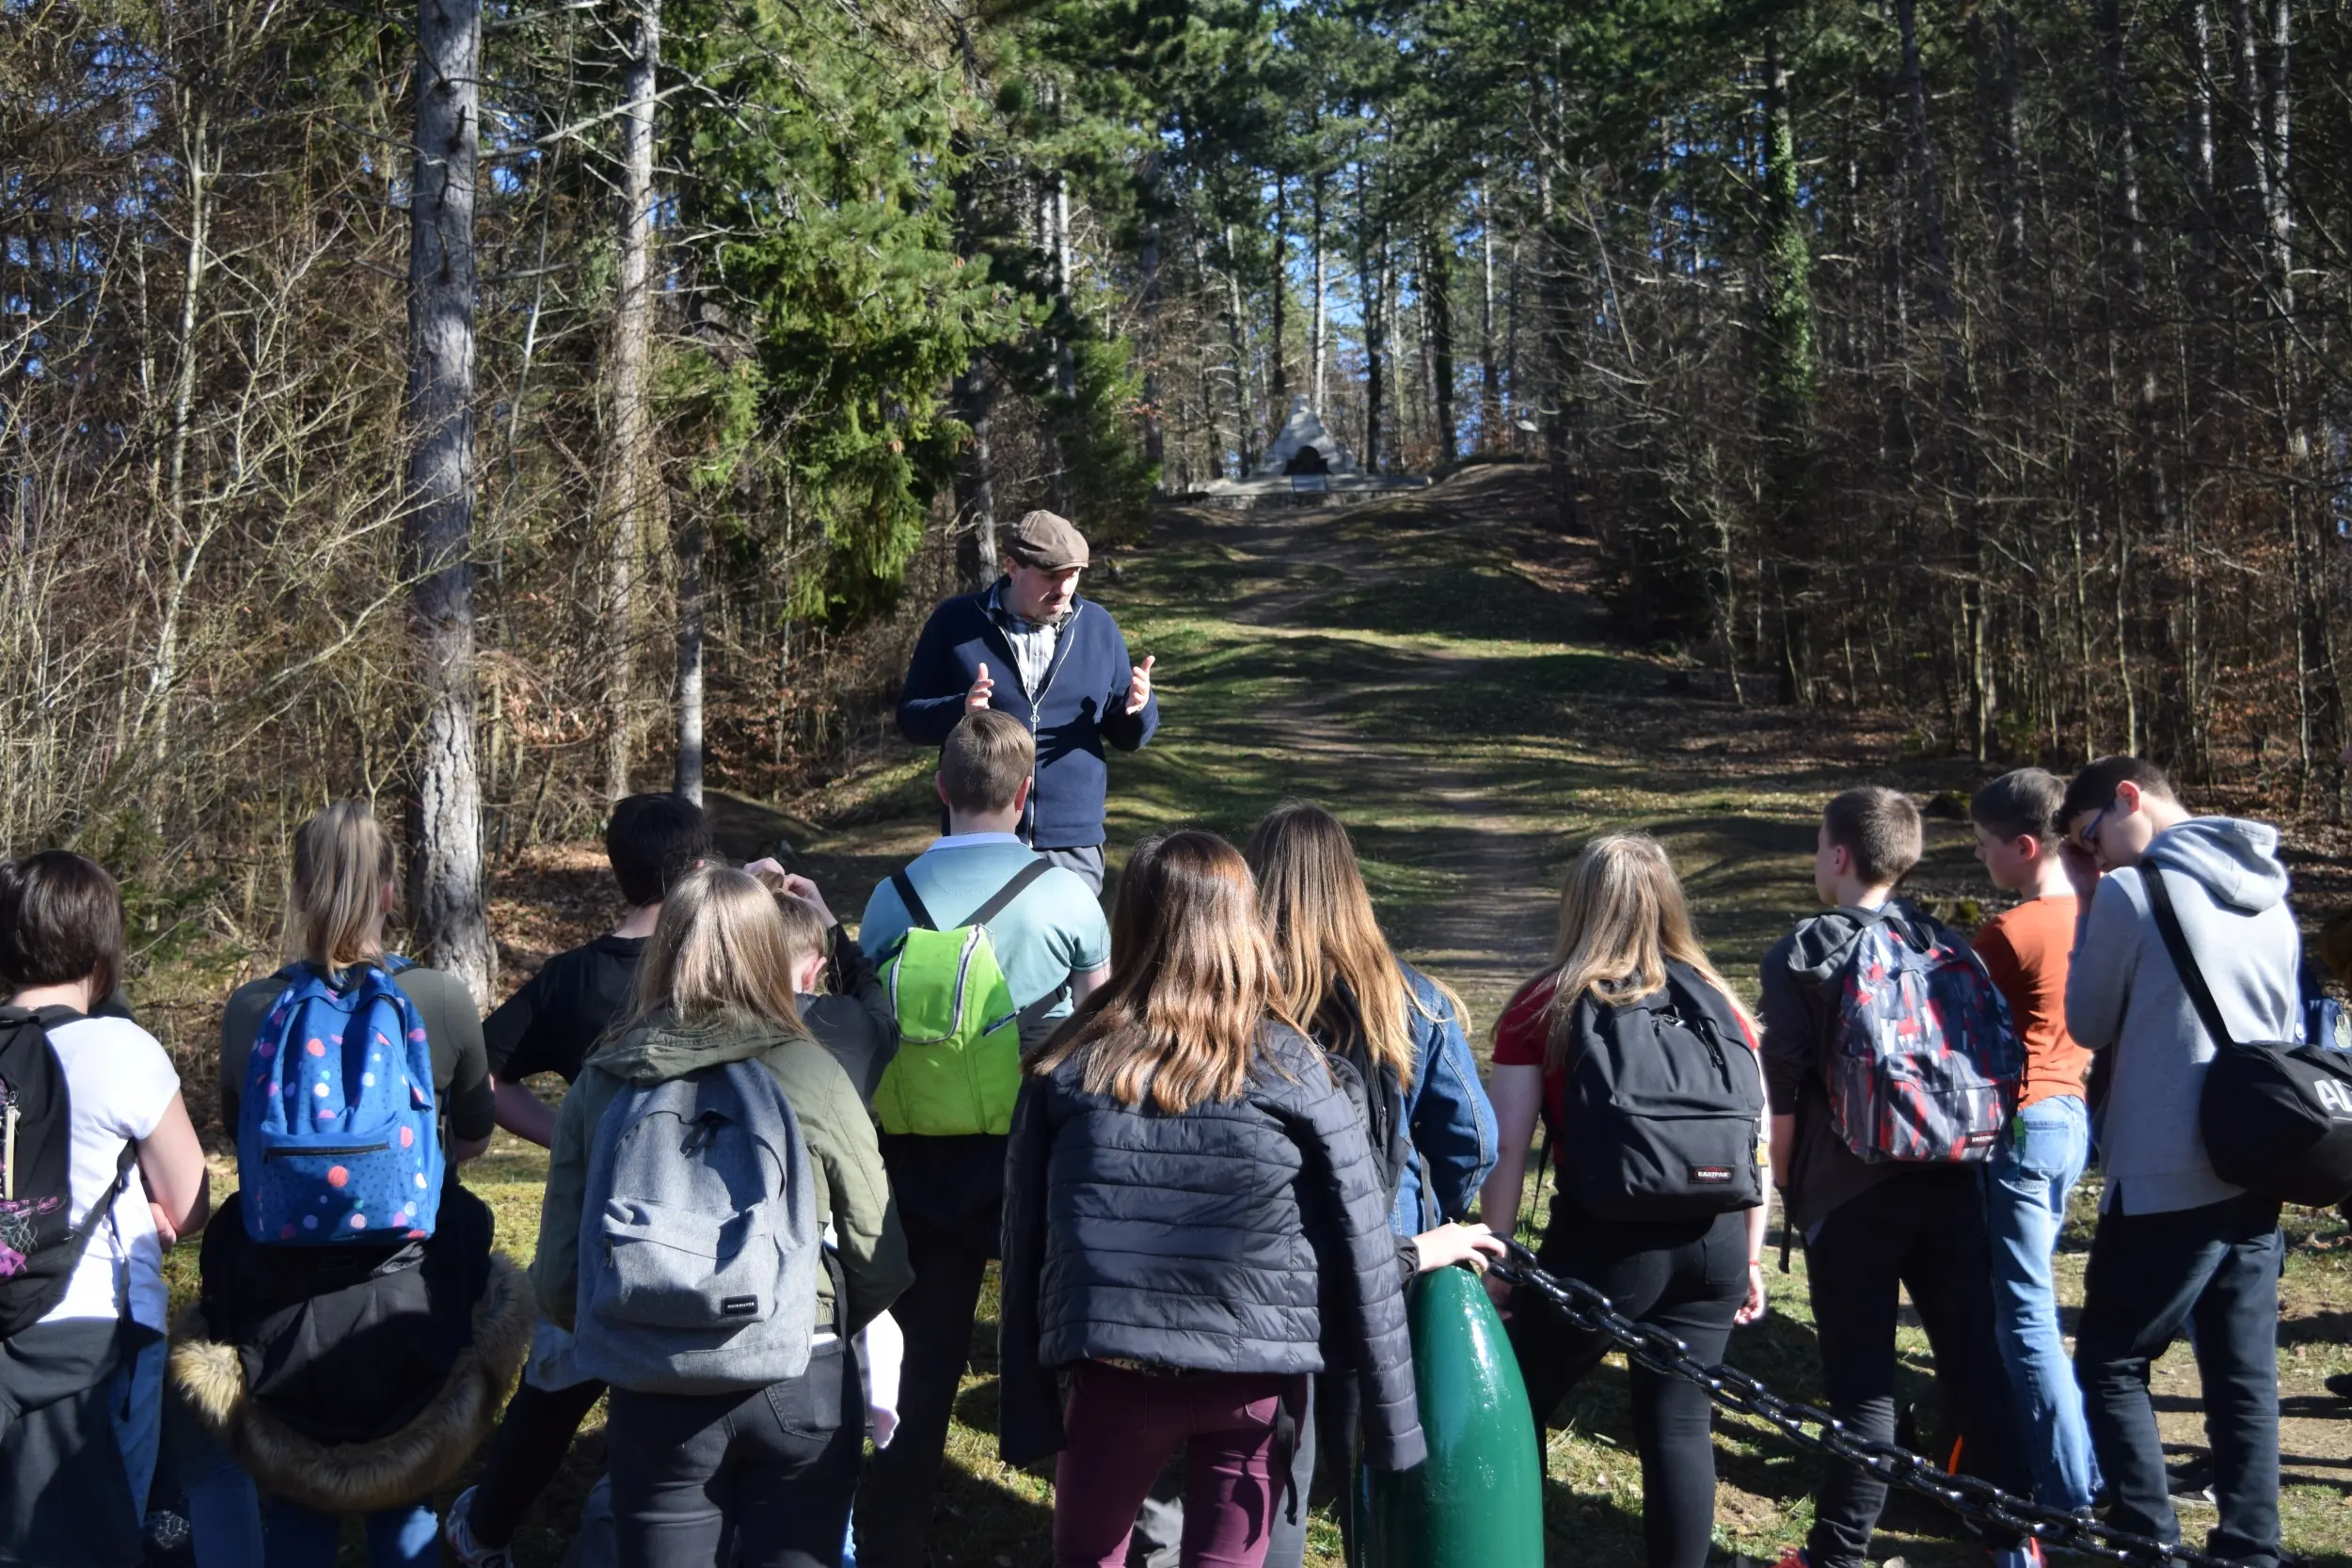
1055,929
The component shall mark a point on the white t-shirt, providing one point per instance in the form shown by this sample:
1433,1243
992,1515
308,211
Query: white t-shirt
120,1082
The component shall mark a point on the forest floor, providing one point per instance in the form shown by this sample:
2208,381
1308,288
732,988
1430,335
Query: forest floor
1439,669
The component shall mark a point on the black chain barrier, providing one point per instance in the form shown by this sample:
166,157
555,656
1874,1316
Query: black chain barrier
1979,1502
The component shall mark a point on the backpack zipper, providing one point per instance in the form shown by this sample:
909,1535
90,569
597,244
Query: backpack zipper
1706,1038
8,1140
324,1148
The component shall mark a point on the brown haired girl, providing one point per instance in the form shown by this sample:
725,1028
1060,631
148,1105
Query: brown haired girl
82,1379
1625,944
1186,1179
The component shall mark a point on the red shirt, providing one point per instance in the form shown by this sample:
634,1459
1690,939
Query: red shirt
1520,1035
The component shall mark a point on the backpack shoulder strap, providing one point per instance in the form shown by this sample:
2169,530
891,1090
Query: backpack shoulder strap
1002,897
2184,959
916,913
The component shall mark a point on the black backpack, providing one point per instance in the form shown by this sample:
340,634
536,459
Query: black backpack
2277,1116
1664,1107
38,1249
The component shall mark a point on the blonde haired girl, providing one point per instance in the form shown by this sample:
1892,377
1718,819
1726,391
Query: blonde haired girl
776,1466
1625,941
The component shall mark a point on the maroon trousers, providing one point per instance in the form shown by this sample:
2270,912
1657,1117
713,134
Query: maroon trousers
1120,1426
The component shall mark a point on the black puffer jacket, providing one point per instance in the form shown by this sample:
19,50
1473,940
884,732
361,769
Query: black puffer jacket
1250,1236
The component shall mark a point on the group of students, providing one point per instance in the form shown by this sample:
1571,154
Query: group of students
1212,1139
1932,1103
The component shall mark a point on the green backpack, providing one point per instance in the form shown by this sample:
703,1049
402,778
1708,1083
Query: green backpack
957,1069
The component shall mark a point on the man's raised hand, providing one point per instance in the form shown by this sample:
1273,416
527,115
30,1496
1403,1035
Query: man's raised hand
976,698
1139,685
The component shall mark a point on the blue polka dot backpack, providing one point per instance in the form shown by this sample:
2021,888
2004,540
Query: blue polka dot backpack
337,1140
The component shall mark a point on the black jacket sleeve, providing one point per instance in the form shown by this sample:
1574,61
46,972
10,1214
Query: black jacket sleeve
1790,1046
1029,1424
855,977
1369,1315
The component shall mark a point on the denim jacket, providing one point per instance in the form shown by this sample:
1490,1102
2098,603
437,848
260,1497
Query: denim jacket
1451,1121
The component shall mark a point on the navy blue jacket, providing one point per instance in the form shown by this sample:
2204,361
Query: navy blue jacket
1084,704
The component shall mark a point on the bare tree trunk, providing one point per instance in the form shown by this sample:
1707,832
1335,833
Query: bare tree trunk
1553,348
1237,331
1371,269
2253,192
1053,221
976,481
1205,320
688,544
1514,402
1490,373
632,375
187,549
1956,438
1321,304
2119,131
1278,397
2202,187
1148,308
2278,196
446,868
1065,292
1437,306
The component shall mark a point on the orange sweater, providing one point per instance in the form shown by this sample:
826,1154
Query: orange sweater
2026,949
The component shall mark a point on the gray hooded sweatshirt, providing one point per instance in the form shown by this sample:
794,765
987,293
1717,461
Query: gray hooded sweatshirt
2125,996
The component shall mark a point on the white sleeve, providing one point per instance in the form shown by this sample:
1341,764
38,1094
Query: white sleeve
135,1079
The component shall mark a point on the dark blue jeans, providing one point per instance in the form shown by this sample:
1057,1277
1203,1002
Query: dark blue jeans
2215,1271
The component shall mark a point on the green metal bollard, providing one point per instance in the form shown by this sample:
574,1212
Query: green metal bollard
1478,1500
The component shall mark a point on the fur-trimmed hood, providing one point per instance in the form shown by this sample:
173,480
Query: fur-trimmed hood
359,1477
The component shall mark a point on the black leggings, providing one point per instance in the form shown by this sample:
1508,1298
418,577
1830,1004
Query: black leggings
534,1439
1689,1278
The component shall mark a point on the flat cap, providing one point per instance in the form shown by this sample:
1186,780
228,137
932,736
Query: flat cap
1042,539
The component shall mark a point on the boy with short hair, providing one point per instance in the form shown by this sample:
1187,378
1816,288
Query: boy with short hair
549,1025
2036,1164
1054,946
2177,1247
1873,1229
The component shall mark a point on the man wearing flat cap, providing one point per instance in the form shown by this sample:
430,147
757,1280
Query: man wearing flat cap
1029,646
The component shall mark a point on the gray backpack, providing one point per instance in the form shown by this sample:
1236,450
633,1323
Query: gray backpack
699,1242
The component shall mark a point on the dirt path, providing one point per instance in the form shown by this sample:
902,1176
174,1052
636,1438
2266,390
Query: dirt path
1497,929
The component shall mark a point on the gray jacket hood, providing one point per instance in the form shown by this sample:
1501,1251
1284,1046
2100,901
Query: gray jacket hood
2235,860
1821,945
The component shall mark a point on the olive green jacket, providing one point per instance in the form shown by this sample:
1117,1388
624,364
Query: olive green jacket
851,1189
